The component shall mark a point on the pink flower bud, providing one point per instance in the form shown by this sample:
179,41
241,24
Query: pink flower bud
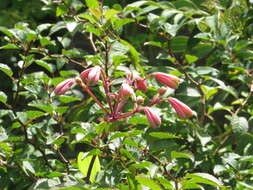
126,91
91,75
162,91
166,79
153,118
182,110
64,86
84,74
140,84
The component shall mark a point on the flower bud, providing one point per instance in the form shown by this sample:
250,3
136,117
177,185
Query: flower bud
155,99
64,86
84,74
166,79
91,75
182,110
126,91
140,84
162,91
153,118
140,100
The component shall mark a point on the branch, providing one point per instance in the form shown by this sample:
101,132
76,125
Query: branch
87,89
145,151
246,99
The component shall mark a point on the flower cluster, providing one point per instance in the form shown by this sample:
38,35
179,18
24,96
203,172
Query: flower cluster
115,100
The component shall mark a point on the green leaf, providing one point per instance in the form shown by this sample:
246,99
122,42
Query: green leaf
44,41
201,50
179,44
204,178
204,70
6,69
153,43
61,10
54,174
6,31
9,46
58,26
118,135
3,97
46,65
187,184
84,164
71,26
34,114
246,159
135,55
41,106
68,99
138,120
245,186
30,35
92,3
3,134
186,155
110,13
148,183
209,91
219,106
224,87
191,58
27,166
185,4
163,135
239,125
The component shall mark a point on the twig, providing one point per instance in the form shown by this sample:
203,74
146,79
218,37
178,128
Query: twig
246,99
20,74
222,143
27,140
59,56
92,42
87,89
107,91
145,151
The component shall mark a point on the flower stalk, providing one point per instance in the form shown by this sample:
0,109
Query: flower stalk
116,100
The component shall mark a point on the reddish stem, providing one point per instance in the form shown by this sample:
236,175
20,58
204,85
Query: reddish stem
125,115
87,89
107,90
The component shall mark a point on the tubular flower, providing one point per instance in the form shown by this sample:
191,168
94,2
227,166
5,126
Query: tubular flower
153,118
166,79
64,86
91,75
126,91
182,110
140,84
84,74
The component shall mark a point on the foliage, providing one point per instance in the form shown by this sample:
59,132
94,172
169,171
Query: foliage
51,141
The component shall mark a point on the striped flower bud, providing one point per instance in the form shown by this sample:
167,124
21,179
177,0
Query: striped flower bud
64,86
162,91
140,84
153,118
182,110
91,75
126,91
166,79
